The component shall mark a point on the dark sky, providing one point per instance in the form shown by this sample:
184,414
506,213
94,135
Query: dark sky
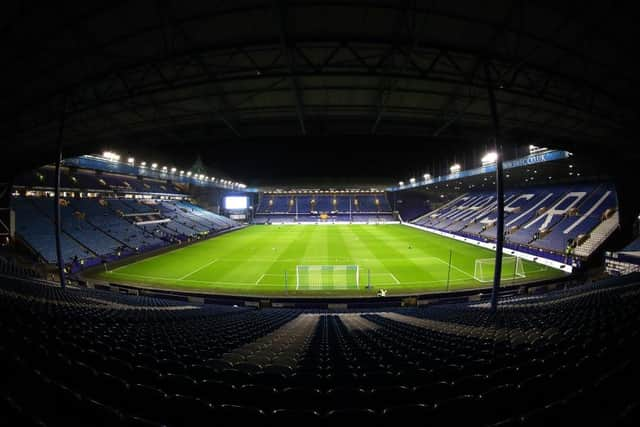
340,160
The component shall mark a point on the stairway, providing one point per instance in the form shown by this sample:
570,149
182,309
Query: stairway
598,235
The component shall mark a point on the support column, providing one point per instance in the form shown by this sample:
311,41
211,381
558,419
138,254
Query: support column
56,200
499,191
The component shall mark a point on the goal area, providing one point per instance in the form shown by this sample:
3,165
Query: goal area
326,277
512,269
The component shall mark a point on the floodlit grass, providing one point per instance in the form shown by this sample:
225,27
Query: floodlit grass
255,261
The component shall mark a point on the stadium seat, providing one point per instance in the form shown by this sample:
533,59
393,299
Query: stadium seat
567,356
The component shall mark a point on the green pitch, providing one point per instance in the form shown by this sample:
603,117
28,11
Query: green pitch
312,260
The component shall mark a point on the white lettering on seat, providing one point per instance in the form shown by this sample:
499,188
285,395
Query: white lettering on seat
548,216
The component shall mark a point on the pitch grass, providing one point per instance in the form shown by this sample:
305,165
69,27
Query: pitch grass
253,261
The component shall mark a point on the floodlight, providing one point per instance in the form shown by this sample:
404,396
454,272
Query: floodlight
164,168
189,173
154,165
131,160
110,155
489,158
143,164
173,170
455,168
181,172
401,183
412,180
534,149
426,176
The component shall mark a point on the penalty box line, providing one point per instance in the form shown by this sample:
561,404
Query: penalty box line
262,276
198,269
456,268
393,277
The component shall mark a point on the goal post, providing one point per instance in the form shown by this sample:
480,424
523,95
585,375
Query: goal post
512,268
323,277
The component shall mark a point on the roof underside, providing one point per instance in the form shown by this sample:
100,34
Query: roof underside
166,73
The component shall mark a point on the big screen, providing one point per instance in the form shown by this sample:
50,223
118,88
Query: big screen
235,203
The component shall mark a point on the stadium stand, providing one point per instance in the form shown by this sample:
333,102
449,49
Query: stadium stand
625,261
35,229
92,180
411,206
10,267
574,219
290,208
96,229
84,356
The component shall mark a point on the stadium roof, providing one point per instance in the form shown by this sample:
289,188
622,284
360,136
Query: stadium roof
235,77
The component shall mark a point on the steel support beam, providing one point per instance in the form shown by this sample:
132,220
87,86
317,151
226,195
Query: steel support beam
497,275
56,200
287,52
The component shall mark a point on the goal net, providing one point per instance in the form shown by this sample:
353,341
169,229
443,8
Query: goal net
319,277
512,268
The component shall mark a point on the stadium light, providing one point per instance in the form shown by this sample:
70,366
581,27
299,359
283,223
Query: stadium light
181,172
173,170
426,176
164,169
110,155
489,158
131,160
401,183
533,149
154,165
143,164
189,173
412,180
455,168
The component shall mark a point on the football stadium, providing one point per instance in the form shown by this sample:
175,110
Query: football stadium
285,212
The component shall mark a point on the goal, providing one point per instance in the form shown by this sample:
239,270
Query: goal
512,268
320,277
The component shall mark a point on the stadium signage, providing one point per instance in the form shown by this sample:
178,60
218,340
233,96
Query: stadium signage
532,159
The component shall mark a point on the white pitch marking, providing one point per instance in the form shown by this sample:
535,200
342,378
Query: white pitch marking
455,268
198,269
394,278
259,279
422,282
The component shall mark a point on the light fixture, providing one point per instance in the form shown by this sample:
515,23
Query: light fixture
489,158
455,168
110,155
